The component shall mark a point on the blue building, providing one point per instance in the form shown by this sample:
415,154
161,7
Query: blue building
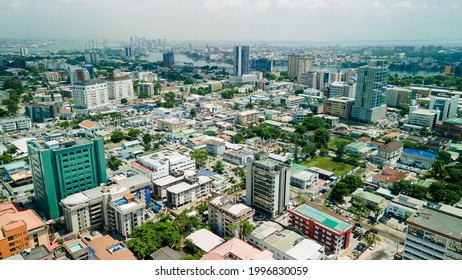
418,158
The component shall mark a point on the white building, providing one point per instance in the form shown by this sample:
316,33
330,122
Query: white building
423,117
193,189
90,94
223,211
14,124
215,147
162,163
119,88
304,179
235,157
341,89
404,206
285,244
447,105
147,77
171,125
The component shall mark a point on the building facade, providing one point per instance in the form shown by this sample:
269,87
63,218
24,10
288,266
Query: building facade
62,168
90,94
168,59
447,105
241,64
267,186
120,88
15,124
339,107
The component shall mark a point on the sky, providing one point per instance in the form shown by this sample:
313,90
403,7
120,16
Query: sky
233,20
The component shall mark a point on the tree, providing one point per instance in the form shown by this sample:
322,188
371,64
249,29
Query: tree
12,149
236,106
249,105
6,158
245,228
114,163
424,132
439,171
64,124
193,113
117,136
200,156
444,156
147,138
339,191
11,106
169,98
202,208
123,100
188,81
309,150
219,167
133,133
296,159
321,137
157,87
341,150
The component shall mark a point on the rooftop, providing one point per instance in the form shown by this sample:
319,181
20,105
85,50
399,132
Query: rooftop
237,249
439,221
89,82
167,253
360,193
205,239
322,218
107,248
421,153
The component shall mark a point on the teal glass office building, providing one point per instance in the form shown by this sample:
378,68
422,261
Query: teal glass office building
61,168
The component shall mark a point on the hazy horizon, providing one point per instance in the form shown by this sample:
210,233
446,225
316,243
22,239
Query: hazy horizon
233,20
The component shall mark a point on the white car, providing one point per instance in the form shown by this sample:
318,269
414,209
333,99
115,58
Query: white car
372,247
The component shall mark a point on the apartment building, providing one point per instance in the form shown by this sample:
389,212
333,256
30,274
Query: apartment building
339,107
90,94
224,211
191,190
247,117
15,124
119,88
171,125
163,163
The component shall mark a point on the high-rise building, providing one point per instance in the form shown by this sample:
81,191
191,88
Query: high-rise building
447,105
298,65
145,89
168,59
241,60
120,87
90,94
398,97
262,64
369,103
267,186
61,168
434,234
40,112
78,75
24,51
128,51
341,89
423,117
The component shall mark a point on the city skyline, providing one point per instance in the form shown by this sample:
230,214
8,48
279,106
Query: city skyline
278,20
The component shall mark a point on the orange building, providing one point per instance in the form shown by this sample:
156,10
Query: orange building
20,229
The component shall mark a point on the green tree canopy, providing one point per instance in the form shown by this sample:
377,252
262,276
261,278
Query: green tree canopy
200,156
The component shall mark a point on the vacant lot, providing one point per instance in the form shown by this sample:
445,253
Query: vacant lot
339,168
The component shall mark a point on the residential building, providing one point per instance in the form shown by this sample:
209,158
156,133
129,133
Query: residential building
423,117
205,240
404,206
122,211
20,229
451,127
339,107
163,163
78,75
235,157
215,147
398,97
247,117
298,65
267,186
64,167
341,89
310,79
90,94
236,249
285,244
171,125
372,200
225,211
15,124
147,77
40,112
107,248
369,103
447,105
387,176
304,179
241,64
168,59
418,158
433,234
322,227
391,151
300,114
161,185
119,88
288,101
191,190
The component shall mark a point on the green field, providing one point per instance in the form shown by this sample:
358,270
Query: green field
339,168
333,143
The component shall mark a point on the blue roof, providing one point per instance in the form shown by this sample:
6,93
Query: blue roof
14,165
121,201
421,153
206,173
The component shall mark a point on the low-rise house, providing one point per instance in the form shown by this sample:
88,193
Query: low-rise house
387,176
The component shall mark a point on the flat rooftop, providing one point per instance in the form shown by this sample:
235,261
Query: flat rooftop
322,218
442,222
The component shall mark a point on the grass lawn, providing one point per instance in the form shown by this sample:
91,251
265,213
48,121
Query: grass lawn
339,168
333,143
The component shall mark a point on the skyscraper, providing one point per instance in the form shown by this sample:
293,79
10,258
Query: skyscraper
299,65
168,59
128,51
267,186
61,168
369,103
241,60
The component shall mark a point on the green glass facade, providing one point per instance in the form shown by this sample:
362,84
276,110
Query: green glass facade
60,172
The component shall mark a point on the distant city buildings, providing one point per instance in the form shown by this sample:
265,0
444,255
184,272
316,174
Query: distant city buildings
298,65
168,59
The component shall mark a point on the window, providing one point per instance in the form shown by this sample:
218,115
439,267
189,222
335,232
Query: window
10,238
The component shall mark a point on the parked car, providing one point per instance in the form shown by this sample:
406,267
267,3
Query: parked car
372,247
